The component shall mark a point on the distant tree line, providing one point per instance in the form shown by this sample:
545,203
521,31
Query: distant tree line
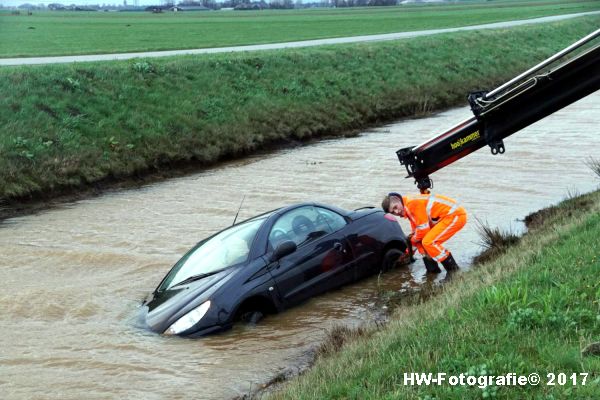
217,4
288,4
212,4
364,3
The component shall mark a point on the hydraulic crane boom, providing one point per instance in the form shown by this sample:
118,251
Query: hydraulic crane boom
527,98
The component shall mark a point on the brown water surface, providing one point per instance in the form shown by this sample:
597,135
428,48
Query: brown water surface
73,277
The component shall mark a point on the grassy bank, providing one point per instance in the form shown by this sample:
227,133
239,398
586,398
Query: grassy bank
65,127
67,33
532,310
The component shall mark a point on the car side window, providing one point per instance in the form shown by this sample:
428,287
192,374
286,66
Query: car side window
300,225
334,220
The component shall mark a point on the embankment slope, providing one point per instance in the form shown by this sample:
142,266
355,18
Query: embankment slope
532,310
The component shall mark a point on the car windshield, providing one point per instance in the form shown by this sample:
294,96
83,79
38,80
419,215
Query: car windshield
225,249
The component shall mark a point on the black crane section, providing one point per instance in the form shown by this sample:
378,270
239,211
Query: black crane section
511,107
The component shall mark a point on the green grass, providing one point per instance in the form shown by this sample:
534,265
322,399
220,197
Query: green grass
494,240
67,33
532,310
68,126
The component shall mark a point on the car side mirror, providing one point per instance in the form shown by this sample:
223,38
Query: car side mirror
283,249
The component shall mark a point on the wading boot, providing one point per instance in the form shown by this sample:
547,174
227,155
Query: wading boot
431,265
450,264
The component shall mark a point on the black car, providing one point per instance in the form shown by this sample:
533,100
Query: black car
269,263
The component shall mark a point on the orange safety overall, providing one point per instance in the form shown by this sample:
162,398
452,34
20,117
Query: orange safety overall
433,220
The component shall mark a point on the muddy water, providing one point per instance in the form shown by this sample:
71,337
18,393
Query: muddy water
73,277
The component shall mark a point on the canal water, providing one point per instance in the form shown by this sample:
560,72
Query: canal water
73,277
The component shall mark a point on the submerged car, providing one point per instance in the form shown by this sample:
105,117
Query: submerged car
269,263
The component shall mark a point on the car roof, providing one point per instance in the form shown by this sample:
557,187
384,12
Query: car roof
283,210
314,204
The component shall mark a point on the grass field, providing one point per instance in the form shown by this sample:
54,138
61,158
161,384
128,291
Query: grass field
65,127
532,310
56,33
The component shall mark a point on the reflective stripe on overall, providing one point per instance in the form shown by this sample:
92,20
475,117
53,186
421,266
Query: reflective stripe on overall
434,219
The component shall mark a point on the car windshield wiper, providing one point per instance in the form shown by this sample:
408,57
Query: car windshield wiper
195,278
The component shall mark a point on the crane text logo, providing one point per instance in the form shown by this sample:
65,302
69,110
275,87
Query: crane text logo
473,136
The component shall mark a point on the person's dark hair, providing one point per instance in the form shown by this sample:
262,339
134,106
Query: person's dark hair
385,204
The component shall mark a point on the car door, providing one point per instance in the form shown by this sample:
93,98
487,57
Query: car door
322,260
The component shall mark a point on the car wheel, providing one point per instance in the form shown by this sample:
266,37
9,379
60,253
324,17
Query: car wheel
390,259
252,317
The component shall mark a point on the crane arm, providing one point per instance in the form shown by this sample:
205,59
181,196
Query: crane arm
511,107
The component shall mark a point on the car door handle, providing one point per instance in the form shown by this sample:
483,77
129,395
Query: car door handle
339,247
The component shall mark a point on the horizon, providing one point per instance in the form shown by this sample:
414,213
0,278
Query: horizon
16,3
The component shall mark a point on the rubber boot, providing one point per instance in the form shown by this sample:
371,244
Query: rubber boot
450,264
431,265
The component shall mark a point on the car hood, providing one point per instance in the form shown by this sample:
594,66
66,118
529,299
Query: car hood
165,307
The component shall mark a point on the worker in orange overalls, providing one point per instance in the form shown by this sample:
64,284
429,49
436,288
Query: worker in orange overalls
433,220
